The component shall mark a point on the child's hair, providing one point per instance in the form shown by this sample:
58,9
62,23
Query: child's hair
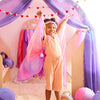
3,53
51,19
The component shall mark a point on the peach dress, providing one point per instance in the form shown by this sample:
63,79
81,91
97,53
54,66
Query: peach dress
53,63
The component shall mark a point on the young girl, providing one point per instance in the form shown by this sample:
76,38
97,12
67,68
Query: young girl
53,60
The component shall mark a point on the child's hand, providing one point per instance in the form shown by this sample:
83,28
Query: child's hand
39,13
69,16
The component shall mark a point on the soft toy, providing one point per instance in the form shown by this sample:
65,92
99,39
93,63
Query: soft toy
66,96
84,94
6,94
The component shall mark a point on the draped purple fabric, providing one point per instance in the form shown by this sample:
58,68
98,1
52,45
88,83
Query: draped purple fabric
56,6
12,9
91,65
91,61
80,20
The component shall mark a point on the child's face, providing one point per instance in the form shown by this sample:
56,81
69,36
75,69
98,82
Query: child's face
3,56
50,29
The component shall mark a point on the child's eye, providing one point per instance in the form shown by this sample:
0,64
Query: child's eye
49,27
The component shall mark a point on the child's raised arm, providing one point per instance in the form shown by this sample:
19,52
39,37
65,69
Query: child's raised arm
39,14
61,25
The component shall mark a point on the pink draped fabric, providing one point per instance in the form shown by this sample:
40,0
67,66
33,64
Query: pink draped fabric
35,46
33,62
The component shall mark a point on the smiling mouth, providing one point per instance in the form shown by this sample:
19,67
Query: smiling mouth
52,32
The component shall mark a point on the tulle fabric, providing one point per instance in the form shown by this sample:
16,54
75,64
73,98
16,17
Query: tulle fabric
35,45
29,69
33,61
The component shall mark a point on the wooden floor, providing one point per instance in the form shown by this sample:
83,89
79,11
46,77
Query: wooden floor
33,89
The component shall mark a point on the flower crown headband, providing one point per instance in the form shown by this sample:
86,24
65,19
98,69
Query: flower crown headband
50,21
